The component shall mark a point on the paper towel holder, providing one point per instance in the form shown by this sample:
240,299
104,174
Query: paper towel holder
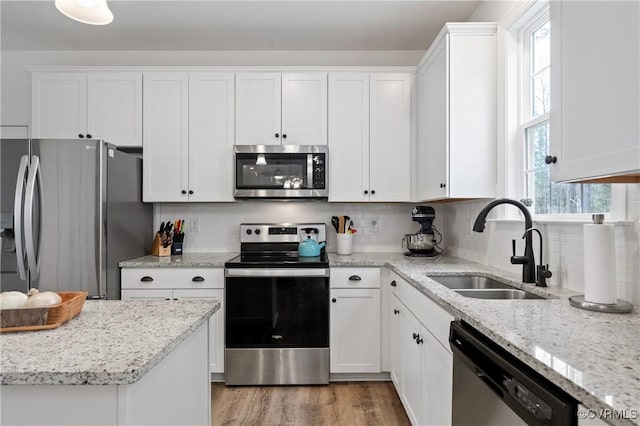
620,307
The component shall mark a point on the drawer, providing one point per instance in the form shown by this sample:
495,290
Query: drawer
152,278
432,316
355,278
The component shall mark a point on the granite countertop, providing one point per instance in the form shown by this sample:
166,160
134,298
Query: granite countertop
595,357
187,260
110,343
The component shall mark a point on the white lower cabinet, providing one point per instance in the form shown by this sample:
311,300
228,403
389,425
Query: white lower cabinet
355,320
183,283
421,366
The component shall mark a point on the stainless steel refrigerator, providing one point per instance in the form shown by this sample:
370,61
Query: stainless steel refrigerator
70,211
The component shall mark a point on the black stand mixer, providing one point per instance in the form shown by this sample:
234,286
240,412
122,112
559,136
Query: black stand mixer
424,243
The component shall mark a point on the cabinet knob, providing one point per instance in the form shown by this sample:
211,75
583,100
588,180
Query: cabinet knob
81,136
277,135
88,136
175,298
190,192
366,192
184,191
373,192
146,279
394,283
284,136
197,279
355,278
550,159
442,185
396,312
415,336
166,298
419,340
334,300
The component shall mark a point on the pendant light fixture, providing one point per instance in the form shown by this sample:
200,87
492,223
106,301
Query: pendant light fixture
93,12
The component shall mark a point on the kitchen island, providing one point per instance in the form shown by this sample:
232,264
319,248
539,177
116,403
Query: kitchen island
124,363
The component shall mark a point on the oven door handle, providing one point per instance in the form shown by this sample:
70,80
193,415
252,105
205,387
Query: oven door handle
277,272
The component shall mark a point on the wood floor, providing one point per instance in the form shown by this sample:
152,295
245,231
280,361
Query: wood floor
352,404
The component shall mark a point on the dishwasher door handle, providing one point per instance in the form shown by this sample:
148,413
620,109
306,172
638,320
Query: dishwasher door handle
487,381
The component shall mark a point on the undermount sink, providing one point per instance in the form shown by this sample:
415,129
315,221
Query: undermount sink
498,294
483,288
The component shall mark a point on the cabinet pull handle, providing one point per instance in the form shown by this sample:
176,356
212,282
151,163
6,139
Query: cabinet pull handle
334,300
366,192
373,192
88,136
419,340
175,298
396,312
355,278
146,279
197,279
550,159
443,185
190,192
166,298
284,136
184,191
81,136
277,135
394,283
415,336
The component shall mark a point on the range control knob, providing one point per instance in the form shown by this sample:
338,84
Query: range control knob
248,231
257,231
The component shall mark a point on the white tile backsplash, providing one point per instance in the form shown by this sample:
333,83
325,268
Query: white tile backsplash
220,223
563,245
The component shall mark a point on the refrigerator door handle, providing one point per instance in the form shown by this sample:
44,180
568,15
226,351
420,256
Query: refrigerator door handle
18,219
33,257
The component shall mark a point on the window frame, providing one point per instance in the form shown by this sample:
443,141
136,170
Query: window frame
519,27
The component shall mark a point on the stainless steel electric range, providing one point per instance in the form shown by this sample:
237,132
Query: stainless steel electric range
277,308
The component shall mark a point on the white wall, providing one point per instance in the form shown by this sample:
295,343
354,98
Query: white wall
15,81
220,232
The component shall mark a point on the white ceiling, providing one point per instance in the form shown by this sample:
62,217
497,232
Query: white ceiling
234,25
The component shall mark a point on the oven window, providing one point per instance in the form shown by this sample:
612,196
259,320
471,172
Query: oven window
271,171
277,312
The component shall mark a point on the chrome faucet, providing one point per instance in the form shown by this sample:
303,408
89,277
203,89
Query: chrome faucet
542,271
527,261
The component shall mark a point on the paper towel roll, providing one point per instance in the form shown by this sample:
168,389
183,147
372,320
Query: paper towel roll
599,264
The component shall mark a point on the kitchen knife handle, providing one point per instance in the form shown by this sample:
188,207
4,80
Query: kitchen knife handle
355,278
18,211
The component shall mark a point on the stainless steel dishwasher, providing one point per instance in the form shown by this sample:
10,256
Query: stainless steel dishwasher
493,388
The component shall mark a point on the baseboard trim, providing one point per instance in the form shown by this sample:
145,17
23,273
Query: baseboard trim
360,377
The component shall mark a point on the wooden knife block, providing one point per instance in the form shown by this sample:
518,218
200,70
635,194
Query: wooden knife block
158,250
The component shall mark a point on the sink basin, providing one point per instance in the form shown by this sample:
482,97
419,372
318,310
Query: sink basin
498,294
483,288
469,282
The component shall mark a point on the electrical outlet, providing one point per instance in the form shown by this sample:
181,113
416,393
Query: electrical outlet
195,224
373,225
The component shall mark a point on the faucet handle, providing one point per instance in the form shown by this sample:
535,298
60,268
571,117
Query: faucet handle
543,273
517,260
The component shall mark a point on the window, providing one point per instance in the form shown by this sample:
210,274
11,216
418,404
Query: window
544,196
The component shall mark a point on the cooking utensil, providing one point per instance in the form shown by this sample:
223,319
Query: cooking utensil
335,223
341,225
161,228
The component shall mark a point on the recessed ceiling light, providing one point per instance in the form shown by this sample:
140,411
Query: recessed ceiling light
94,12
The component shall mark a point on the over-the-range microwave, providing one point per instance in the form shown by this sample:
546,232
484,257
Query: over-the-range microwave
281,171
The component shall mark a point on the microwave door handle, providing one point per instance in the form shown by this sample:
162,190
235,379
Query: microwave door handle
310,171
33,256
18,210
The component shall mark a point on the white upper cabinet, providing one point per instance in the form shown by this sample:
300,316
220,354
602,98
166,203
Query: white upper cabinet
275,108
188,137
258,111
595,91
211,136
348,136
370,137
304,108
390,138
457,114
98,105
